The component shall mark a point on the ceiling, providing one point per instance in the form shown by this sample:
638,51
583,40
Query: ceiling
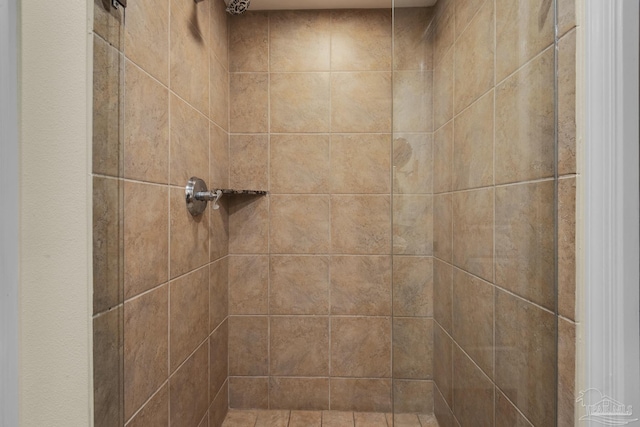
334,4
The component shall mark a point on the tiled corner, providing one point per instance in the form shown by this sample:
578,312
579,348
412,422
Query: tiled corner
188,314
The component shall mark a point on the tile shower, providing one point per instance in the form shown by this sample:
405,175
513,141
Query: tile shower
407,243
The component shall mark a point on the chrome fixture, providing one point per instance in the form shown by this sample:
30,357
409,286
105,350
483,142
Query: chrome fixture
197,196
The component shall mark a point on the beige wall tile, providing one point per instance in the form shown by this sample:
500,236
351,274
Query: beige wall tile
412,47
189,237
411,396
403,420
567,103
443,159
107,368
248,393
300,102
428,420
356,394
188,390
360,224
108,246
189,146
444,33
108,23
305,419
443,364
413,101
218,292
361,285
248,345
249,41
507,415
299,224
249,162
219,408
146,222
360,163
219,30
146,37
474,59
146,130
412,286
218,157
196,14
465,10
473,309
473,393
566,16
361,347
525,123
145,347
525,355
299,346
525,241
567,247
218,359
566,372
441,411
188,315
361,40
219,86
248,284
187,46
473,230
412,163
219,230
300,40
108,65
443,294
412,348
249,102
473,145
299,285
249,224
299,163
442,226
299,393
523,30
155,412
443,90
361,102
413,224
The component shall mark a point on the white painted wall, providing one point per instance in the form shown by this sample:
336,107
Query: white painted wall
8,214
55,220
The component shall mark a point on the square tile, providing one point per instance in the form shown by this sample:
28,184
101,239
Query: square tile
299,346
299,163
412,286
248,284
360,163
361,347
299,393
361,102
299,285
299,224
249,162
249,102
300,40
358,394
248,345
361,224
412,348
361,285
299,102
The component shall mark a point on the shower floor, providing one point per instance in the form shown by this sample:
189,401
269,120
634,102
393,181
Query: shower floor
260,418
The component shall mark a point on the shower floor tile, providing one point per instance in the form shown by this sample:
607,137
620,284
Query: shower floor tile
263,418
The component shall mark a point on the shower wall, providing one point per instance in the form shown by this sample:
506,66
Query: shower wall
160,276
494,213
310,272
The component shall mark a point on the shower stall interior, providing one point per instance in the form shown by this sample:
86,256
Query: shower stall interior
409,245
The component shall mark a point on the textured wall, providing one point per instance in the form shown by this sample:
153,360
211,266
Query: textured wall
160,275
494,217
310,276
